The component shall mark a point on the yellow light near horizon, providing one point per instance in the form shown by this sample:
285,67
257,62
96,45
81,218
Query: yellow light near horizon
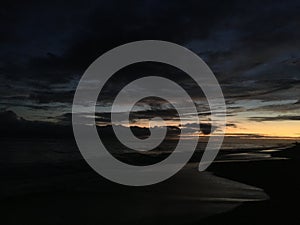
288,128
280,129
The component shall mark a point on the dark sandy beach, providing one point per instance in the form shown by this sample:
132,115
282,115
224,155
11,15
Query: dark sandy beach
60,188
278,178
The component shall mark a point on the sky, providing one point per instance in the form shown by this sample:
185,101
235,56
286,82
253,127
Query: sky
251,47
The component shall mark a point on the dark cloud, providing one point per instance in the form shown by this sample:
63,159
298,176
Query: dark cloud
57,40
276,118
52,96
104,119
252,47
231,125
205,128
14,126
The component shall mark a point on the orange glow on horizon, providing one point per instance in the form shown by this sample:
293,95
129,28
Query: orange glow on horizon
286,128
280,129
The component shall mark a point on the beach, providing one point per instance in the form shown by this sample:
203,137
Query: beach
278,178
58,187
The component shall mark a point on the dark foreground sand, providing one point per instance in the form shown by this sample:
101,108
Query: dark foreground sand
54,190
83,198
280,180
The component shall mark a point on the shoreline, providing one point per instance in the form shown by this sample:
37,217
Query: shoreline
68,191
278,178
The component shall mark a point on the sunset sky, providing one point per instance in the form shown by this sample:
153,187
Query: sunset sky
252,48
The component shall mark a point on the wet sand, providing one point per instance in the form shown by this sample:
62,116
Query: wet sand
239,188
279,178
84,198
